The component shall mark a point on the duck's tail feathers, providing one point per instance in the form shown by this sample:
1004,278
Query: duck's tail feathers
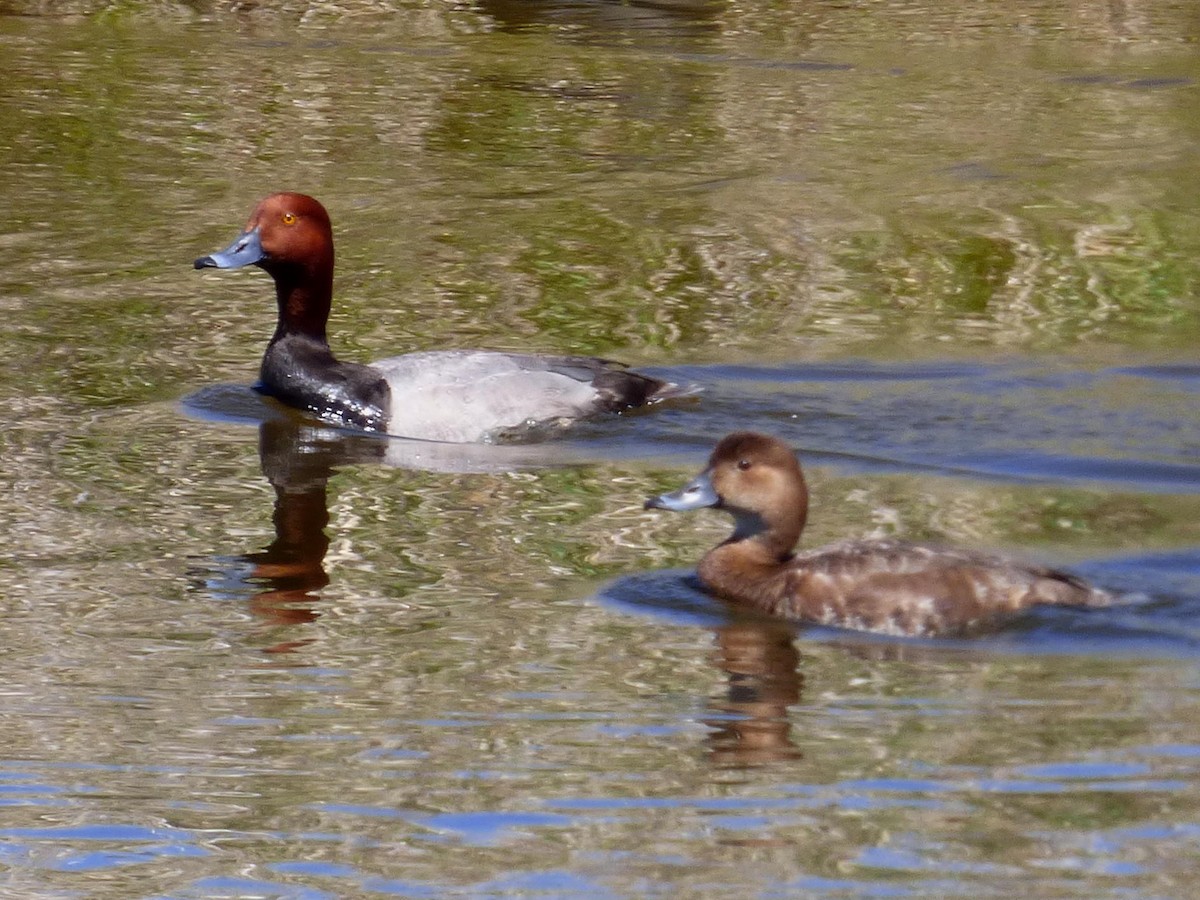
621,389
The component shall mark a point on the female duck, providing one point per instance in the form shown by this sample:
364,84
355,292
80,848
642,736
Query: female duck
460,396
885,586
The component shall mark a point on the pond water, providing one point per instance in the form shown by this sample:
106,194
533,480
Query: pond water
949,251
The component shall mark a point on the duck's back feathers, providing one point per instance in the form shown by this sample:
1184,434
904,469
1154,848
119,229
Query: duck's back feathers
478,395
901,588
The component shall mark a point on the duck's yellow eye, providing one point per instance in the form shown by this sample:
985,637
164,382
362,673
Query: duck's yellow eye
289,218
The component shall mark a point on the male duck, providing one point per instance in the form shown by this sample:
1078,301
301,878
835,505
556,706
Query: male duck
885,586
460,396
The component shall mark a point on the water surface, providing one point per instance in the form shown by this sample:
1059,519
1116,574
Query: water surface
948,252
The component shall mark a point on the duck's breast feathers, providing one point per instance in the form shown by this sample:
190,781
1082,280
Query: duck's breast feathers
473,395
302,372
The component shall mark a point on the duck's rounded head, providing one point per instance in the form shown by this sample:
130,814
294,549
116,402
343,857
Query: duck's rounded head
756,473
284,231
755,477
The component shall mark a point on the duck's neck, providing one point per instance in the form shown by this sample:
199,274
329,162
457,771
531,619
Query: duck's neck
748,562
760,538
298,355
300,369
304,298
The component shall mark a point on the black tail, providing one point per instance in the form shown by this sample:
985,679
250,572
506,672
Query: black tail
621,389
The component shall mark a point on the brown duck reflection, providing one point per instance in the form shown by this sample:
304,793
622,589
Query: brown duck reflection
760,658
762,663
298,460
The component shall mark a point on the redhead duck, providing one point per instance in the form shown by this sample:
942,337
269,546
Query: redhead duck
884,586
460,396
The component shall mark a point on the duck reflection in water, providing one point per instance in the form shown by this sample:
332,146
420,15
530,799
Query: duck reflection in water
751,725
298,460
298,457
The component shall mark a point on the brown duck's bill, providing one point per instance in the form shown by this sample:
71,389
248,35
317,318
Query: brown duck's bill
698,493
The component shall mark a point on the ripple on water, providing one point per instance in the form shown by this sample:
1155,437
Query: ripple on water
1126,427
1132,428
1158,619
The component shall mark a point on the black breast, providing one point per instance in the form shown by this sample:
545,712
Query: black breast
302,372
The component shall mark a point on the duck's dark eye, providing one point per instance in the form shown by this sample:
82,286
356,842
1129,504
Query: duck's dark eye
743,464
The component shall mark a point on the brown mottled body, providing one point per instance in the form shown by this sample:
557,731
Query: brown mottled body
883,586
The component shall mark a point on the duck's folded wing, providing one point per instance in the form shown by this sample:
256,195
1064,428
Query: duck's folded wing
894,587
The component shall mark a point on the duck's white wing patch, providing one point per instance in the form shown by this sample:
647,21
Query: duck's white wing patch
470,396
